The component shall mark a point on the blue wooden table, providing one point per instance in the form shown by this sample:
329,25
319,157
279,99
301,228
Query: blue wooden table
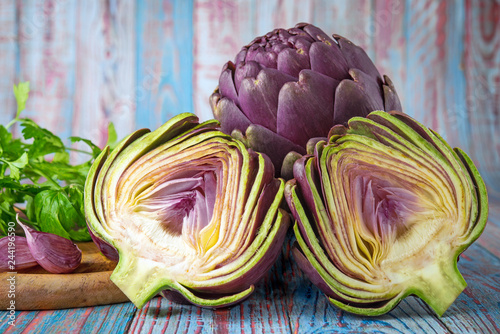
137,63
286,302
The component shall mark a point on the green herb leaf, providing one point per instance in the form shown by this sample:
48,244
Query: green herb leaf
21,92
59,215
3,227
95,149
44,141
14,166
36,176
112,136
61,171
10,149
21,161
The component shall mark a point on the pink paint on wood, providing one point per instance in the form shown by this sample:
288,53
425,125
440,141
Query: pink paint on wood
221,321
105,70
482,71
431,44
118,99
351,19
389,46
216,41
8,59
89,120
46,52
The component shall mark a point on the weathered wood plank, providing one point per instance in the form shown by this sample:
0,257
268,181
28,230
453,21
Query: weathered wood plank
164,61
47,39
490,239
118,67
104,63
453,108
353,20
434,89
215,41
88,118
22,320
482,71
389,43
8,60
99,319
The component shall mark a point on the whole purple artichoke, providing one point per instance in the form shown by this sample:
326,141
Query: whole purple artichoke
292,85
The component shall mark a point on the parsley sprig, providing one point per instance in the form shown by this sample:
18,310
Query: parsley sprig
37,178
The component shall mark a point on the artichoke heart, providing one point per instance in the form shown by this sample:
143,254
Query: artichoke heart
383,209
187,211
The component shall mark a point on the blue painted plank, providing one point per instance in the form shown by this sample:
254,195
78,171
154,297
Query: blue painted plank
482,67
21,321
456,112
8,59
110,319
105,78
263,312
98,319
47,53
164,61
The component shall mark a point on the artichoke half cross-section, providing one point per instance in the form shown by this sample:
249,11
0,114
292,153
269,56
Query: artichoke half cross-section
187,211
383,209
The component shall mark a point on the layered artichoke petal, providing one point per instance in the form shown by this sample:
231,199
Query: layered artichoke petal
383,209
188,209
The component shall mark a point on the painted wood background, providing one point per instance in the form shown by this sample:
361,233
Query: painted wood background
137,63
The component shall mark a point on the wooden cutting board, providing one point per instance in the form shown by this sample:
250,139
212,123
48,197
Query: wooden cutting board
88,285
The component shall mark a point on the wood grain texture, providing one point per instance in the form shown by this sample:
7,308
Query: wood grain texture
46,41
137,63
118,67
104,64
98,319
215,42
389,42
164,64
482,68
88,285
89,117
8,59
434,38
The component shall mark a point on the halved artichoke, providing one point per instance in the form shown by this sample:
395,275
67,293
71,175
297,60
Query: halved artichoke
187,209
383,210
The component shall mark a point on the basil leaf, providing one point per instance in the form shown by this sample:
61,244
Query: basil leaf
56,214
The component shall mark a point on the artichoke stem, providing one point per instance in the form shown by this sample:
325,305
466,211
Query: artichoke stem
440,286
137,278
